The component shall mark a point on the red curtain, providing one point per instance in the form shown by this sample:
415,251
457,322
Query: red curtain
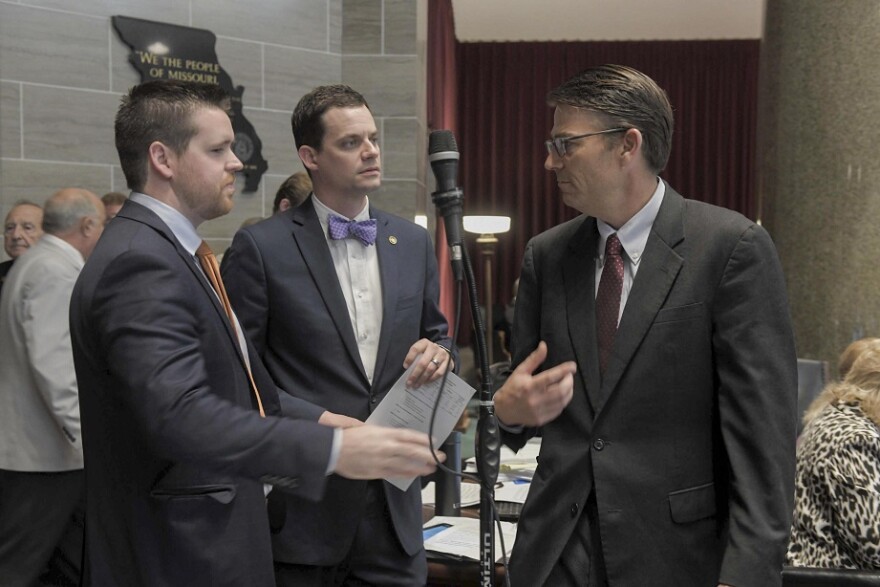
442,114
503,120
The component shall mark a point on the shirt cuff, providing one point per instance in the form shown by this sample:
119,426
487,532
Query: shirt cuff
335,449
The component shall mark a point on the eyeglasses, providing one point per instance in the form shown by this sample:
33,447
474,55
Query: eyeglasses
557,145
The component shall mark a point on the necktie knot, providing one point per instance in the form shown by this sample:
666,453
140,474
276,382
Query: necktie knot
363,230
204,250
613,247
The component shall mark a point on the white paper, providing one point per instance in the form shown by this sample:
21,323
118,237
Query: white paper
470,494
407,407
462,538
515,492
519,466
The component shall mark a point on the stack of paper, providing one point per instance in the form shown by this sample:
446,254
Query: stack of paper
515,466
460,537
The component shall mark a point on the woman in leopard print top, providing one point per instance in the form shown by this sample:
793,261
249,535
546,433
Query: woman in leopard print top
837,491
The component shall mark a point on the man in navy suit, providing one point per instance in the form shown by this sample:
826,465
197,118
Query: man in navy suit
672,463
338,297
183,428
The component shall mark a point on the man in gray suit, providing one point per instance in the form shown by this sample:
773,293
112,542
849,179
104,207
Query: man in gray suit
672,463
339,297
41,458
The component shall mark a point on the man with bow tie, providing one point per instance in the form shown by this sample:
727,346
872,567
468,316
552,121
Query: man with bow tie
339,298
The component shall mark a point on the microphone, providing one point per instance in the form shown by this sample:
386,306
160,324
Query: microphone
443,155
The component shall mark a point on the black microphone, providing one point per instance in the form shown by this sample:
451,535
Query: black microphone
443,155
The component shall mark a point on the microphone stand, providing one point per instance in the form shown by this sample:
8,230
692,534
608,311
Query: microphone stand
488,439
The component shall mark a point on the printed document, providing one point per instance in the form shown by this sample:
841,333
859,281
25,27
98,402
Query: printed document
407,407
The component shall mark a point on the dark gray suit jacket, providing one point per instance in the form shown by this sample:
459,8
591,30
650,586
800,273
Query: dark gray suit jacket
283,286
689,440
175,451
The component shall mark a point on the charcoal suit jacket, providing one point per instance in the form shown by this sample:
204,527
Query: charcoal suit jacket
689,439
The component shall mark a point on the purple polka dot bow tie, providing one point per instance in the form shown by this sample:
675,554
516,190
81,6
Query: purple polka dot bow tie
363,230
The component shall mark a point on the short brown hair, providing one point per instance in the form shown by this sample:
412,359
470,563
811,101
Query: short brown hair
114,199
295,190
627,98
160,110
307,122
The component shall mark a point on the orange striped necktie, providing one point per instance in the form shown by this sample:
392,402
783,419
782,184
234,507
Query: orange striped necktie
212,271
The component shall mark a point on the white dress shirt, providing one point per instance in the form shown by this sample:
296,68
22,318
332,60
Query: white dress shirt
357,267
633,237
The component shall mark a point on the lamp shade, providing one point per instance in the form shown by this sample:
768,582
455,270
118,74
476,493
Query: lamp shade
487,224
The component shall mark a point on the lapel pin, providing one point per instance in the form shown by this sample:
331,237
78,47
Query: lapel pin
392,239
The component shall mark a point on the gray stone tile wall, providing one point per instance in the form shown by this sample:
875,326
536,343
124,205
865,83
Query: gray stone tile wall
63,70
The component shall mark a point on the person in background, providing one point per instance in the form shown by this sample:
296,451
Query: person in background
339,298
672,462
851,352
24,225
292,192
837,488
41,459
113,202
184,430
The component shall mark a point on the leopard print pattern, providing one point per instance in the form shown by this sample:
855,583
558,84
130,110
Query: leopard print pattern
837,492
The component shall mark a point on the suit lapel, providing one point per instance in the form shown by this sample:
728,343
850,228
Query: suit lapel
142,214
390,260
659,268
579,280
312,242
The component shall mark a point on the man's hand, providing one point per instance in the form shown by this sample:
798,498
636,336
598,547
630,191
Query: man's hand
431,365
527,400
376,452
338,420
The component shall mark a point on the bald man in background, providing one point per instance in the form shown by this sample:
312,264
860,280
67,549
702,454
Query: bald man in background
41,459
24,225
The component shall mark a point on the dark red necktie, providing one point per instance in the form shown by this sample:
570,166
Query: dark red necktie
608,299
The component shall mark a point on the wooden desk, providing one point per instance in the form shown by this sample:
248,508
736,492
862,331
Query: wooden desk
453,573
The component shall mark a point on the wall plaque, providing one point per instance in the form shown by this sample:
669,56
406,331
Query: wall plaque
167,51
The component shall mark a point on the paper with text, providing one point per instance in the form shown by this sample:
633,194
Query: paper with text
407,407
462,538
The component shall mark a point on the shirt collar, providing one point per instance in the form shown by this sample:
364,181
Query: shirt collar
180,226
634,234
323,212
50,240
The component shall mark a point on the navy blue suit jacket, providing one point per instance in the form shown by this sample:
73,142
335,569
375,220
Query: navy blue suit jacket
175,451
283,286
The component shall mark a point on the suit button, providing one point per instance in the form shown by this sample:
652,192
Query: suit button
599,444
574,510
373,400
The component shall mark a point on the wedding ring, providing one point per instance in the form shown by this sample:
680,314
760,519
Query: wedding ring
436,362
